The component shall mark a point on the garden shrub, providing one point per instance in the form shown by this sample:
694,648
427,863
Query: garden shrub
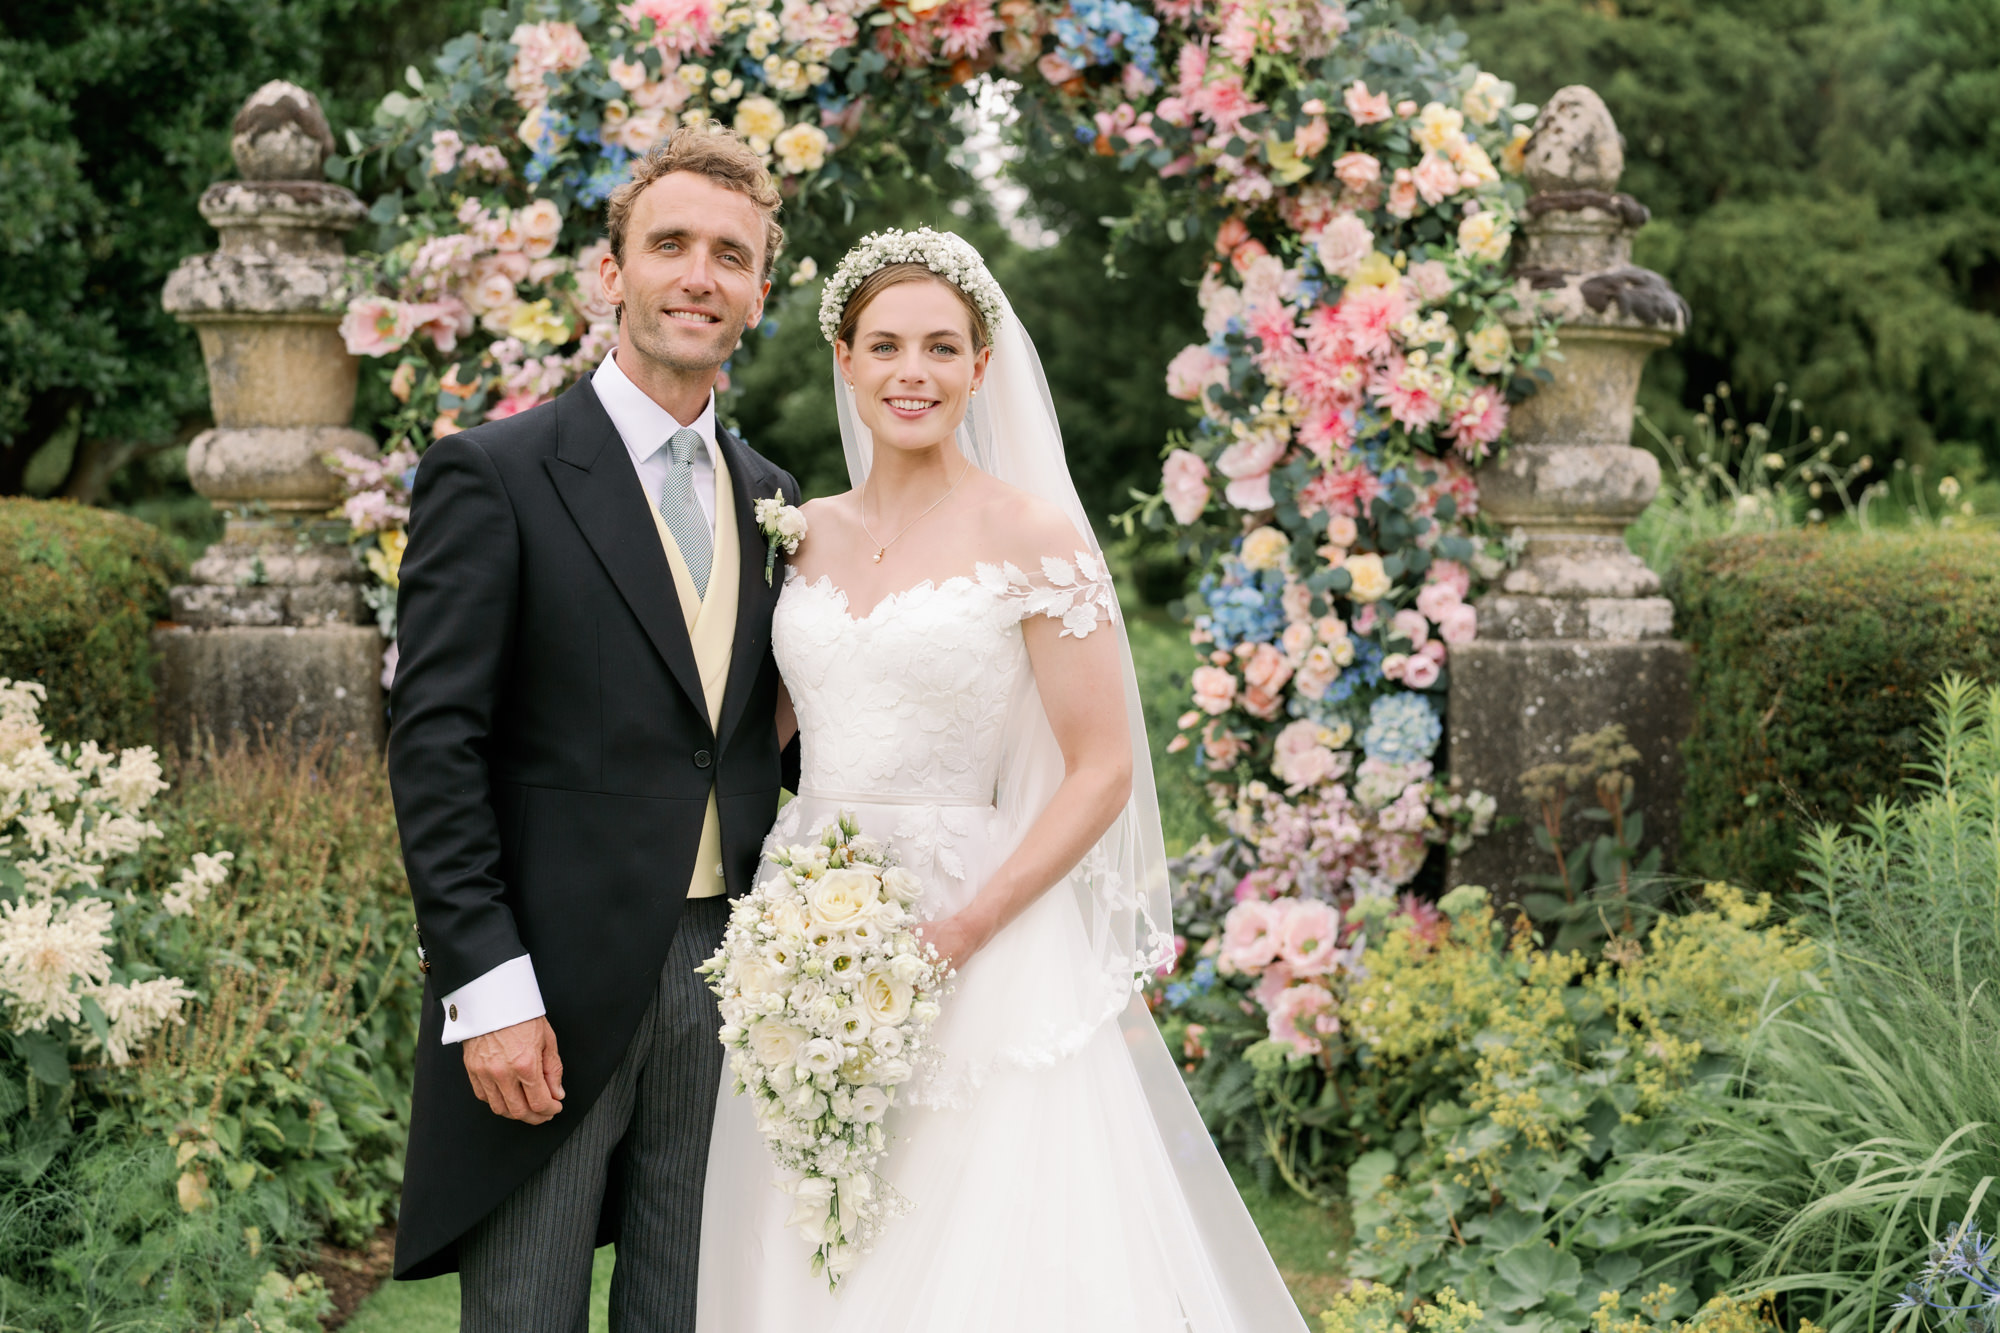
1866,1125
207,1014
82,588
1814,653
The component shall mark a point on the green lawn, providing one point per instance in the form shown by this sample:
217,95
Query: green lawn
1301,1238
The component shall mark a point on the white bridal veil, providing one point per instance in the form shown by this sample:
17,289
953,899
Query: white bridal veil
1121,888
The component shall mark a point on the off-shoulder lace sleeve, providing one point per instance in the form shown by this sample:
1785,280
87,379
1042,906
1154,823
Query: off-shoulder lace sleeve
1076,591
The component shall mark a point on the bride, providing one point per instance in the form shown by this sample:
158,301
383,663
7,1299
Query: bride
960,682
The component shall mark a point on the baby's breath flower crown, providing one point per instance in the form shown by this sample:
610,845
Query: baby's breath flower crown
949,256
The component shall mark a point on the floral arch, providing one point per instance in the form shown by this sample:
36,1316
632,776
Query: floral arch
1357,175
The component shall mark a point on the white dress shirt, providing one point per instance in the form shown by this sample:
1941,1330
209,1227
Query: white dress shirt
509,994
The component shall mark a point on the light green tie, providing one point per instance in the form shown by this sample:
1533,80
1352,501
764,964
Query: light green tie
682,512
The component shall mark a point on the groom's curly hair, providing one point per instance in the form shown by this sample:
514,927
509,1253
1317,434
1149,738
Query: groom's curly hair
712,150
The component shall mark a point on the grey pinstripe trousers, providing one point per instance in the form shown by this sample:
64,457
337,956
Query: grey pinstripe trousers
525,1268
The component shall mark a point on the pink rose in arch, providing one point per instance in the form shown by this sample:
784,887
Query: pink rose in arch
1421,672
1367,108
1343,243
1264,675
1403,195
1434,599
1357,171
1450,574
1214,690
1184,481
1436,178
1233,232
1459,624
1192,370
1411,625
1277,976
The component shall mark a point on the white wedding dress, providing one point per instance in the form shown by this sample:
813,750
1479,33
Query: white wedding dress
1057,1175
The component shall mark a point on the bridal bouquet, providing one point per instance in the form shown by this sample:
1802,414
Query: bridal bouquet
827,994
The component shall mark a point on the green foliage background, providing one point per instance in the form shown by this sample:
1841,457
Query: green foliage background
116,116
83,588
1814,656
1824,177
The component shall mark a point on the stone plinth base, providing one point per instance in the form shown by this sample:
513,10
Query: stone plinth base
290,682
1515,705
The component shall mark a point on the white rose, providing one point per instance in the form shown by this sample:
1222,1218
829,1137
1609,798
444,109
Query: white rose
781,1078
755,977
886,998
893,1071
924,1011
907,968
903,886
791,524
867,1105
842,896
776,1045
788,918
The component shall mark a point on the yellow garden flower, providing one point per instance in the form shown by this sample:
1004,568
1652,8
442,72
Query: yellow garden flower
538,322
385,561
759,118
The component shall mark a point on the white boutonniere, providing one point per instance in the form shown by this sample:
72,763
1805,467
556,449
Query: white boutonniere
783,526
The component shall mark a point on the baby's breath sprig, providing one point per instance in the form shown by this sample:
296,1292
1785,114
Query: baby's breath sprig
944,253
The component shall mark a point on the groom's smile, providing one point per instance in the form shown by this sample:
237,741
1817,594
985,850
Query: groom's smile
690,281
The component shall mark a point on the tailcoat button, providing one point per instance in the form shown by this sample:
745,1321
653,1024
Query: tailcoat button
702,759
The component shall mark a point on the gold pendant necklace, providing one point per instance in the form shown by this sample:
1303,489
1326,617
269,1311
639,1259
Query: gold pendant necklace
882,548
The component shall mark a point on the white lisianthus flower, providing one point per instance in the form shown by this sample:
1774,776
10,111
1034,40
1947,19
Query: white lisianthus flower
887,1041
820,1056
869,1104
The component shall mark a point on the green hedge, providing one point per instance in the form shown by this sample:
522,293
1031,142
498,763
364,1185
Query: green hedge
1814,657
79,591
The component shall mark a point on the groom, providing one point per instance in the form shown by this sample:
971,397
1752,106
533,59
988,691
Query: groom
585,760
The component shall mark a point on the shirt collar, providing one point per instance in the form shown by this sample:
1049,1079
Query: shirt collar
643,424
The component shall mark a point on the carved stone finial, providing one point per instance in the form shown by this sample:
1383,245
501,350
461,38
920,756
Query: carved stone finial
1576,144
281,135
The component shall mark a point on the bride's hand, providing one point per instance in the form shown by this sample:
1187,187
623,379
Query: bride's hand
955,938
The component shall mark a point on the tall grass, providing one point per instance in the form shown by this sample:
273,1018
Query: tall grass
1866,1119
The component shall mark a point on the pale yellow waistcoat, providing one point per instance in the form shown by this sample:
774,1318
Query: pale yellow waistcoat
711,624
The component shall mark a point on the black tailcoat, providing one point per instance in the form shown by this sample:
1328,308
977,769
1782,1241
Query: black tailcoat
551,757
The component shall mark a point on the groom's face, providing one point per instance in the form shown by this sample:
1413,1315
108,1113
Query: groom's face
691,278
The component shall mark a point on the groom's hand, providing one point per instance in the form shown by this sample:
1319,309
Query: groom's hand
516,1071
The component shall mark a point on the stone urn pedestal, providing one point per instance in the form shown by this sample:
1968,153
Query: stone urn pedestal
271,636
1576,635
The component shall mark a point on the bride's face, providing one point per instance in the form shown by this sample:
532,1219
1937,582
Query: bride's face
913,365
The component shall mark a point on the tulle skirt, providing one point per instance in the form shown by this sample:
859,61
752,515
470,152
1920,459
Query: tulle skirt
1058,1177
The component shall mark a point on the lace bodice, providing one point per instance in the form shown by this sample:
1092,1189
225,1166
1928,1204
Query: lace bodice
908,703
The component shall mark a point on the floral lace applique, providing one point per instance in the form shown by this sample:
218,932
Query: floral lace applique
1077,592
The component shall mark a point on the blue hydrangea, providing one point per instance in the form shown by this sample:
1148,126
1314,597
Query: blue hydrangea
1244,605
613,169
1178,994
1095,31
1204,975
1403,727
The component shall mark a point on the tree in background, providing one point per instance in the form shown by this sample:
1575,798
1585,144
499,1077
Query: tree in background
115,115
1824,177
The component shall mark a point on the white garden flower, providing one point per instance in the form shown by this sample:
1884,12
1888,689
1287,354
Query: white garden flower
48,946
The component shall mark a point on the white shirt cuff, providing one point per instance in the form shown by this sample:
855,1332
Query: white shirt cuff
498,999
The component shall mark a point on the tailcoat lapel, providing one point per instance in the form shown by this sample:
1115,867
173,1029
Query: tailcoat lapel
750,481
599,486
